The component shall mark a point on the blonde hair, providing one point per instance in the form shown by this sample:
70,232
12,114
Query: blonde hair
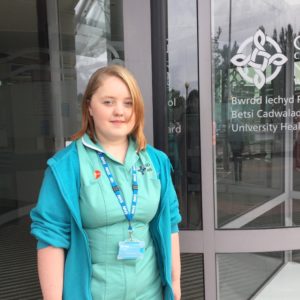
96,80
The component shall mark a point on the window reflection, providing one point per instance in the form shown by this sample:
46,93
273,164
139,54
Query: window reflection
242,275
99,37
48,49
46,52
183,109
255,107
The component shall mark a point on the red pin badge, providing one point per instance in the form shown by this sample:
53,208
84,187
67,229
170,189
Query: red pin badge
97,174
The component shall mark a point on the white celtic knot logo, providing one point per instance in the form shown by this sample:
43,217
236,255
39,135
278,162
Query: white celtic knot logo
243,61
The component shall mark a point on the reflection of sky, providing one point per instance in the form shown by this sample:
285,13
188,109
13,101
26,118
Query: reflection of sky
247,16
292,2
85,67
91,40
182,44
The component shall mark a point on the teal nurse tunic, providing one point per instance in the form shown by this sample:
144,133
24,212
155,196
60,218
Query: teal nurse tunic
105,223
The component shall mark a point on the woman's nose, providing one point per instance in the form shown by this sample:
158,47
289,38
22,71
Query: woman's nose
119,109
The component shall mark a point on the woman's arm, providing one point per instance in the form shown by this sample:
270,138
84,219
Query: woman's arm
176,266
51,271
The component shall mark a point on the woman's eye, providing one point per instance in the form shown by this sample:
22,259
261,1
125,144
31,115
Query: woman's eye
128,103
108,101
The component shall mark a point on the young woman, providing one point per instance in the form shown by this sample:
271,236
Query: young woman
107,214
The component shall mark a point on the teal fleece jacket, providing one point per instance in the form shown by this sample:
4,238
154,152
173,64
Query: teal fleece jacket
56,221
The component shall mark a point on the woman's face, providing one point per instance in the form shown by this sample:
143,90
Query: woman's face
111,107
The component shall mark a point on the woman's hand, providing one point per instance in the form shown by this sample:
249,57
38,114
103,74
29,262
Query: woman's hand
51,271
176,289
176,267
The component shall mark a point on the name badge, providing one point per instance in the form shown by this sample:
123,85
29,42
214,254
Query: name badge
131,249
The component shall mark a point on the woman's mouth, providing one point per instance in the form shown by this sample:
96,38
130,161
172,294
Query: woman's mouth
117,122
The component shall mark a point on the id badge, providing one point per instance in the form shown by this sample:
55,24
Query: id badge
131,249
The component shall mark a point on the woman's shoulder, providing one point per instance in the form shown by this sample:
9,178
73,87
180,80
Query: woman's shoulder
156,152
68,153
158,158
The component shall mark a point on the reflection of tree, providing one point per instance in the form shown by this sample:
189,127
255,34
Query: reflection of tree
176,110
223,74
223,81
176,107
193,137
228,82
283,84
184,149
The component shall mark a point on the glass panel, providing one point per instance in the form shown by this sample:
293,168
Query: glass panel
47,52
296,135
284,284
98,38
241,275
183,109
192,276
26,135
44,66
296,212
256,105
296,256
271,219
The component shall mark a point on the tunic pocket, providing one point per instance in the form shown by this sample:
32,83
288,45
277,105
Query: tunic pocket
91,202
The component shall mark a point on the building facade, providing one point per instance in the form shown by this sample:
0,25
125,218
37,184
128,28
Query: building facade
221,84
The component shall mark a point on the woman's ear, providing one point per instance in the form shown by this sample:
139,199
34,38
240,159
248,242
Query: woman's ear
90,108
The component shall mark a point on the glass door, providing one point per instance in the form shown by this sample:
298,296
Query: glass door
255,47
255,110
48,50
177,122
244,79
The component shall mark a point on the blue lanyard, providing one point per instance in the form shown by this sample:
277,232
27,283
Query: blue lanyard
128,215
